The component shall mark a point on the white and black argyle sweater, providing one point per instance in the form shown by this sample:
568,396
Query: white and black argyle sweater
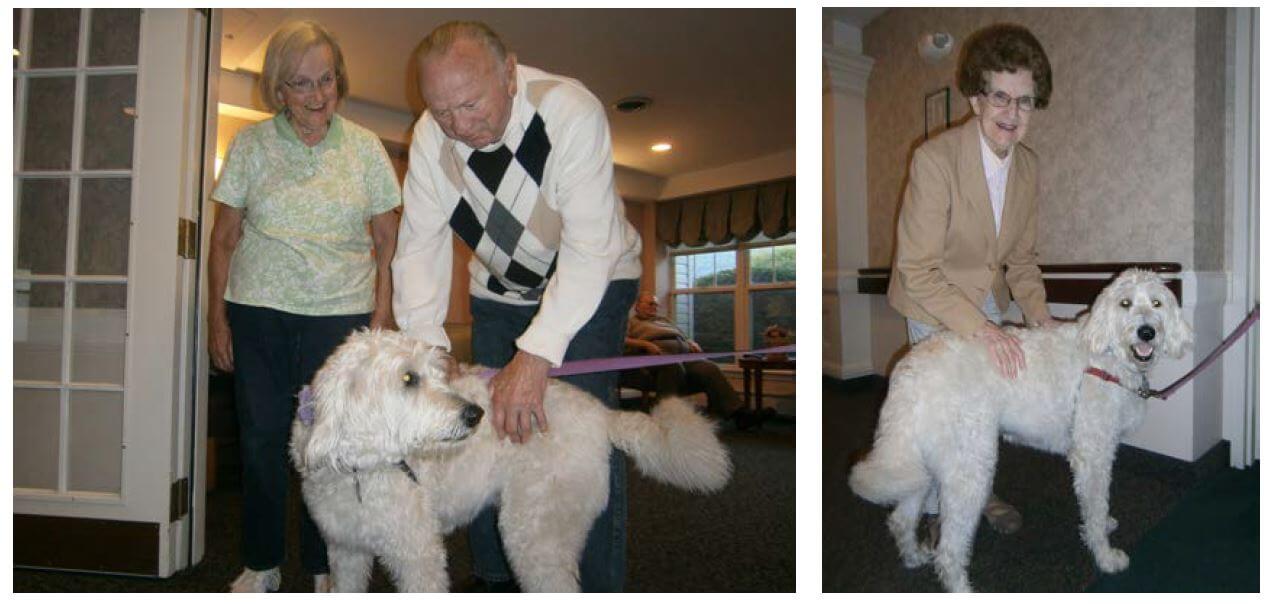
537,204
506,220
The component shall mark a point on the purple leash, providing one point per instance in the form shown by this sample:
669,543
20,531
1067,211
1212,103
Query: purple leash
636,362
1245,325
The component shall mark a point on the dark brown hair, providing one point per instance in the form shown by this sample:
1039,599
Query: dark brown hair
1003,47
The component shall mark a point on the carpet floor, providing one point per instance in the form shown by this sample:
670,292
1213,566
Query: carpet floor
739,540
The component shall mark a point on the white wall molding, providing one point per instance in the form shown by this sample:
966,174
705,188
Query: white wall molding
847,71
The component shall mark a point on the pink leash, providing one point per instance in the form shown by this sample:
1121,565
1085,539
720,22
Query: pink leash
636,362
1236,334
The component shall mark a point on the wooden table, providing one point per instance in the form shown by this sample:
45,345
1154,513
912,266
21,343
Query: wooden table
754,369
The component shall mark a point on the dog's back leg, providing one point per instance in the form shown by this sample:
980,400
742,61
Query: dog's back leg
903,522
349,569
965,481
544,523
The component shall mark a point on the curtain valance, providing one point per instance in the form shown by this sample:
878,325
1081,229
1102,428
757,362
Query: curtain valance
723,216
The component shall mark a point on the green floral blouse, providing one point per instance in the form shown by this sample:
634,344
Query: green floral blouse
306,247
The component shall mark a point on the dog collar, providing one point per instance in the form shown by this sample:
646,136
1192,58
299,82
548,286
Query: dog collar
401,465
1144,391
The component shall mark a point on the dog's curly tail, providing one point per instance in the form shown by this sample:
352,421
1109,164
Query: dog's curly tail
887,476
673,444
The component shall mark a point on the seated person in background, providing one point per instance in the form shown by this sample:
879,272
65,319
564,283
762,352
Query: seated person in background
651,333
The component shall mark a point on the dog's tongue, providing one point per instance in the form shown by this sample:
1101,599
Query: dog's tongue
1143,349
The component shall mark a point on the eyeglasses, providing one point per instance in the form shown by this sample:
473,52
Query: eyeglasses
1001,100
305,86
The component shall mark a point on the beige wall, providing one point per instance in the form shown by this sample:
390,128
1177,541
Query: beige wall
1131,146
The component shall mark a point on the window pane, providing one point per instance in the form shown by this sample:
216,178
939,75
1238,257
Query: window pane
98,334
785,263
37,331
113,36
102,245
47,134
684,268
704,269
108,136
726,263
762,262
35,445
707,319
55,34
95,441
772,307
42,227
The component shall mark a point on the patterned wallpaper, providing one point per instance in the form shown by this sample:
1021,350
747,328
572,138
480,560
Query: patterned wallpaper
1117,145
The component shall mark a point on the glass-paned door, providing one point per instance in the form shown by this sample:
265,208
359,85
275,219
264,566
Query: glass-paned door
76,89
109,112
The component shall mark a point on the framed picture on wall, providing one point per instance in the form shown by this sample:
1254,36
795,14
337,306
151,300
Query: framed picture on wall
938,115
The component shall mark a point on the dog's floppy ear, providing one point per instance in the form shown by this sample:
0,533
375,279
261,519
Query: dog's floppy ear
1178,334
322,446
1096,330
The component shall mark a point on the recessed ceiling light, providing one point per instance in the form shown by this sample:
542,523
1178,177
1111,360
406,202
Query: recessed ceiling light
660,147
632,104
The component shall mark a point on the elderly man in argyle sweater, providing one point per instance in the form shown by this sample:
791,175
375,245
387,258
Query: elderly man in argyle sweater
517,163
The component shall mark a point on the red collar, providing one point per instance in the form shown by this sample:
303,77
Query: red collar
1143,392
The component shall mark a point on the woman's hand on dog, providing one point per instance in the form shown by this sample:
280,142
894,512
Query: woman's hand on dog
516,394
1003,349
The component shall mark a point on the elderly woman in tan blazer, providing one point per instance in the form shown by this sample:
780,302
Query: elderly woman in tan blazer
967,229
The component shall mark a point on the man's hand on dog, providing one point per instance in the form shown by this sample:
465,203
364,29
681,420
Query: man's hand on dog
517,397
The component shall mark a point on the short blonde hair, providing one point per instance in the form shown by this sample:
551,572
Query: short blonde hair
285,51
441,39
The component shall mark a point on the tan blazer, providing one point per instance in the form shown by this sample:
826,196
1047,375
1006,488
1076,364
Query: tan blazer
948,255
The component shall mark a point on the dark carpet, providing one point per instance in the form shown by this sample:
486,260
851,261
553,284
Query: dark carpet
739,540
1045,556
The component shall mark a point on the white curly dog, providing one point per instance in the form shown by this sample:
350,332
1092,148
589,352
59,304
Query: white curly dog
394,455
947,407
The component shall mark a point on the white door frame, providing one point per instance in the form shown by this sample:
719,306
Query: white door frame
1241,362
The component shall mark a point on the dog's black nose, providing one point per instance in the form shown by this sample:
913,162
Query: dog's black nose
471,415
1146,333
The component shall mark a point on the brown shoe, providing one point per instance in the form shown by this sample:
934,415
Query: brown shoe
1001,516
932,532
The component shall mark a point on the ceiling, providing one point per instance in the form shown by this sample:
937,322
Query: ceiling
723,81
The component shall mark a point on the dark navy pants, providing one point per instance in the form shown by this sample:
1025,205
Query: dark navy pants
275,354
495,327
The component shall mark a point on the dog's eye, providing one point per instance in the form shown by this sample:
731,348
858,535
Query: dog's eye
1125,302
410,378
1156,304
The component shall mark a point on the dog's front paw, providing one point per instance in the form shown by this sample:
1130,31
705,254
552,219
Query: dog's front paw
1112,560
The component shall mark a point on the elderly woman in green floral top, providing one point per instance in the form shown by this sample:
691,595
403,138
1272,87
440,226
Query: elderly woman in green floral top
303,198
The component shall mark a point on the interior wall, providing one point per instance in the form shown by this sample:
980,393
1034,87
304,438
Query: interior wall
1117,147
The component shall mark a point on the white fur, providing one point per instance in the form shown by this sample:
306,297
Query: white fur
947,406
368,417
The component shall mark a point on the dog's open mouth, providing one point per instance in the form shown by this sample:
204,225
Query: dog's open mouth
1143,352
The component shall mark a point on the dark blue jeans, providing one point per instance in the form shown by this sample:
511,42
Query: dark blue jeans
275,354
495,327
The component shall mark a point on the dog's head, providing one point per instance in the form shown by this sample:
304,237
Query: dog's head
1137,319
381,397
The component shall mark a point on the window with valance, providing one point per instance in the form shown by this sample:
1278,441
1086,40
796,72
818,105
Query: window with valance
739,214
733,263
